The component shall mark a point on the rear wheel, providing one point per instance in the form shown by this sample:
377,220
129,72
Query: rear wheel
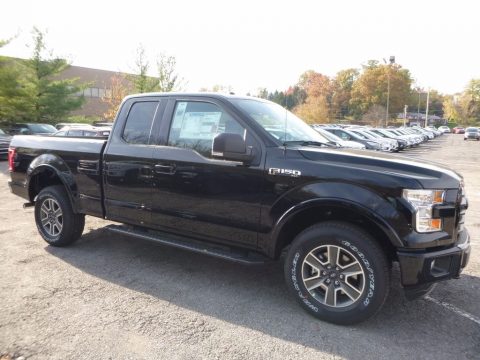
338,272
56,222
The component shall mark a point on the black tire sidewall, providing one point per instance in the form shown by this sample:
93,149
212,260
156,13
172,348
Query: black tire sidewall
58,194
360,245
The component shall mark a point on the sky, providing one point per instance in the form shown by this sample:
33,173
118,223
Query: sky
256,44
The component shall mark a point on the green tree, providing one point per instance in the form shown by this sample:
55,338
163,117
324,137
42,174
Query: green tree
371,88
141,81
342,92
13,101
50,98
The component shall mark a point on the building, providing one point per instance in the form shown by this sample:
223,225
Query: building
99,86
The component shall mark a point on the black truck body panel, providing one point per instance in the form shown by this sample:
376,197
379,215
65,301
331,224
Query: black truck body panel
177,190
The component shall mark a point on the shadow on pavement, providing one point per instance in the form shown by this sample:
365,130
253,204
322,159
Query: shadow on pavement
256,297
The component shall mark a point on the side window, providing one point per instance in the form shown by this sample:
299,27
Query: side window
195,124
139,122
344,136
89,133
75,132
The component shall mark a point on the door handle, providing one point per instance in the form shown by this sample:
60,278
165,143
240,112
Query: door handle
165,169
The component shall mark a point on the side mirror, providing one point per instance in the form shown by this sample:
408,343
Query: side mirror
230,146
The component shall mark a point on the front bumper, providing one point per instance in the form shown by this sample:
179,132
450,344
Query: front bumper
421,270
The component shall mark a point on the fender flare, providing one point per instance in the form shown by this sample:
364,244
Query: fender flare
56,165
332,202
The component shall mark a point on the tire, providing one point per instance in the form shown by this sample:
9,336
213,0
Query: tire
360,282
56,222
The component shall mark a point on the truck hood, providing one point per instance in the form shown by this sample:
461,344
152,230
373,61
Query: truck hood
429,174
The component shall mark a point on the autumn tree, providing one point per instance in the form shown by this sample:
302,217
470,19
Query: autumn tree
318,90
371,88
470,102
119,88
451,110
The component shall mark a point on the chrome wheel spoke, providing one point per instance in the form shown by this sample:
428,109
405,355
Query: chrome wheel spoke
352,269
350,291
313,282
314,262
333,253
330,296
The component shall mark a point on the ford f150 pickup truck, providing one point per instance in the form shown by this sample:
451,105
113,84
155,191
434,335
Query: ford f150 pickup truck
243,179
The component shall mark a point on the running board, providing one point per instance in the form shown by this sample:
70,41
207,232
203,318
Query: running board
218,251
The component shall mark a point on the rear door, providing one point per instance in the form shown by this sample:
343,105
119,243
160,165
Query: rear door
128,167
195,194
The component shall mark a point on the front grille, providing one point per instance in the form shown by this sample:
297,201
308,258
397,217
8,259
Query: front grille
462,205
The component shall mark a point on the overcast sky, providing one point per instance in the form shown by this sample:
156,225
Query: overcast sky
251,44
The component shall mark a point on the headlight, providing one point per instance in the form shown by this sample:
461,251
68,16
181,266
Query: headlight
423,201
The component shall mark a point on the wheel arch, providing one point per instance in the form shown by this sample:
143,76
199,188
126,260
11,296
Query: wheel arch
48,170
312,212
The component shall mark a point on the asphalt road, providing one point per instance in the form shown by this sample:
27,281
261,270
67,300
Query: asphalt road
109,296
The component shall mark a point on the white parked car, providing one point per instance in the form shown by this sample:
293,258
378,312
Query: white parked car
339,141
445,129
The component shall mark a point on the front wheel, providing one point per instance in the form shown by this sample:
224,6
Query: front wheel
56,222
338,272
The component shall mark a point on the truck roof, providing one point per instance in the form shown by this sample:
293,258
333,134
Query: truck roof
194,94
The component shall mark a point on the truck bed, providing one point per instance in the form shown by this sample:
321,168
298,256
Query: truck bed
75,160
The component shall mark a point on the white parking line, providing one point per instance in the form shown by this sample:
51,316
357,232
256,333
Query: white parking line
454,309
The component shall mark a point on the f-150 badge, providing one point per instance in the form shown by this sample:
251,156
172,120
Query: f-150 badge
287,172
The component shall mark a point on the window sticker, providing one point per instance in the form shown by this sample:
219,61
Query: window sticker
200,125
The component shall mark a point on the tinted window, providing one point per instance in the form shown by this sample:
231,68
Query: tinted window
139,122
195,124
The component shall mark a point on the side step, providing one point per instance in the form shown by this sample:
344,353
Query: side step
218,251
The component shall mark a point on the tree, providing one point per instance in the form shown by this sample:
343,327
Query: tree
168,79
314,110
375,115
470,102
342,92
451,110
318,92
371,88
119,88
141,81
13,97
50,98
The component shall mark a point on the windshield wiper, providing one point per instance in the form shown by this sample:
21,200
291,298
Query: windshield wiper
308,143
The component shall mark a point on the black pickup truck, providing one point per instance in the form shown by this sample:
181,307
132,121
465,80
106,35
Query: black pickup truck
243,179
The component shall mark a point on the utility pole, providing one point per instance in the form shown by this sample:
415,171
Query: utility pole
426,110
418,107
405,116
391,62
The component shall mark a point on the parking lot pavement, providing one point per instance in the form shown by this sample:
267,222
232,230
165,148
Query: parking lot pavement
114,297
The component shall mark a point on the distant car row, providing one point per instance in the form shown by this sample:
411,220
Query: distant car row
62,129
381,139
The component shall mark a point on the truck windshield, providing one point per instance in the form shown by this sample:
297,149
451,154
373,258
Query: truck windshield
279,122
42,128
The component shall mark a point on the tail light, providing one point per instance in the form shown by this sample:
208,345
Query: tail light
11,158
